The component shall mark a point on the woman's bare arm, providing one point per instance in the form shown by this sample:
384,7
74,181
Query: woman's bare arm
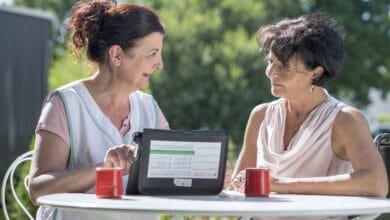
48,172
248,154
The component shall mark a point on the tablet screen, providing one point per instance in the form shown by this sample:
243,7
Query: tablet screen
184,159
179,162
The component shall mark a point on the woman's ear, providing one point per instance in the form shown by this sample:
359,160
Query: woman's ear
317,72
115,55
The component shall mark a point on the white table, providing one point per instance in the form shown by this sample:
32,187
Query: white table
231,205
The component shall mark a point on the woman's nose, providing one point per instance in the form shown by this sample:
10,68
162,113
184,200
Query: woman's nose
160,64
269,70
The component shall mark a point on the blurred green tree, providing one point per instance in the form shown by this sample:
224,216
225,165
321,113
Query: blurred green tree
213,74
58,7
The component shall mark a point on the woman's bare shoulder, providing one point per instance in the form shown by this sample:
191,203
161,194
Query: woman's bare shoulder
350,131
258,111
349,117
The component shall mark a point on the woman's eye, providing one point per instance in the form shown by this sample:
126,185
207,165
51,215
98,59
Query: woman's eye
268,60
153,55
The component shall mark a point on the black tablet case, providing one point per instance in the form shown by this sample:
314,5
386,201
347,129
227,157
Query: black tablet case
139,182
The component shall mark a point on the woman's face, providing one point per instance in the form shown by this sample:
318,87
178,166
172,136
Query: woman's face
290,79
142,60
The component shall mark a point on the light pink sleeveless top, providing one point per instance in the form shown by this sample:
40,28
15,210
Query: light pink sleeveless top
309,153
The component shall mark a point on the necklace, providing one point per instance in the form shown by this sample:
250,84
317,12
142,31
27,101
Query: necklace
300,114
295,121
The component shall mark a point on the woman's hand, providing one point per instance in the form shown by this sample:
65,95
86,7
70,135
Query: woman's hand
120,156
238,183
228,175
276,182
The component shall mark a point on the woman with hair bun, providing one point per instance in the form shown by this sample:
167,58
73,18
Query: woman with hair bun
90,123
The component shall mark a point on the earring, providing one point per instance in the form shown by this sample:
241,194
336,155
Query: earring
311,88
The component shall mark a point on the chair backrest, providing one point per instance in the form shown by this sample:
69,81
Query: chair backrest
10,175
382,141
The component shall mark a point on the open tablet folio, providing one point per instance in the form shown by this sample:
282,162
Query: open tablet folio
178,162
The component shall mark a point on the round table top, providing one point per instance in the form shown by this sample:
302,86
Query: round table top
225,204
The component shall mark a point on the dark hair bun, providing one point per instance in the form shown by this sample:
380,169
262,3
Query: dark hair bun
85,22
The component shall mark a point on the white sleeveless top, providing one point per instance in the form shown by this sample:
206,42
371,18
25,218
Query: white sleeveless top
309,153
92,134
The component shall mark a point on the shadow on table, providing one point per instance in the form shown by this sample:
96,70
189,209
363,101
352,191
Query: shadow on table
229,198
384,217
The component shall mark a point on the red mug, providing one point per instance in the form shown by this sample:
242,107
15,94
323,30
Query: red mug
257,182
109,182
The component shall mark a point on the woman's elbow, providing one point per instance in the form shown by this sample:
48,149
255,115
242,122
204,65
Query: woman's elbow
384,193
383,189
35,189
379,184
33,192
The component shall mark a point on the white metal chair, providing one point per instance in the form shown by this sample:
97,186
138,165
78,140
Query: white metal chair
382,141
10,175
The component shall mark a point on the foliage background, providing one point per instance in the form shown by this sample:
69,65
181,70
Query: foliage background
213,73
